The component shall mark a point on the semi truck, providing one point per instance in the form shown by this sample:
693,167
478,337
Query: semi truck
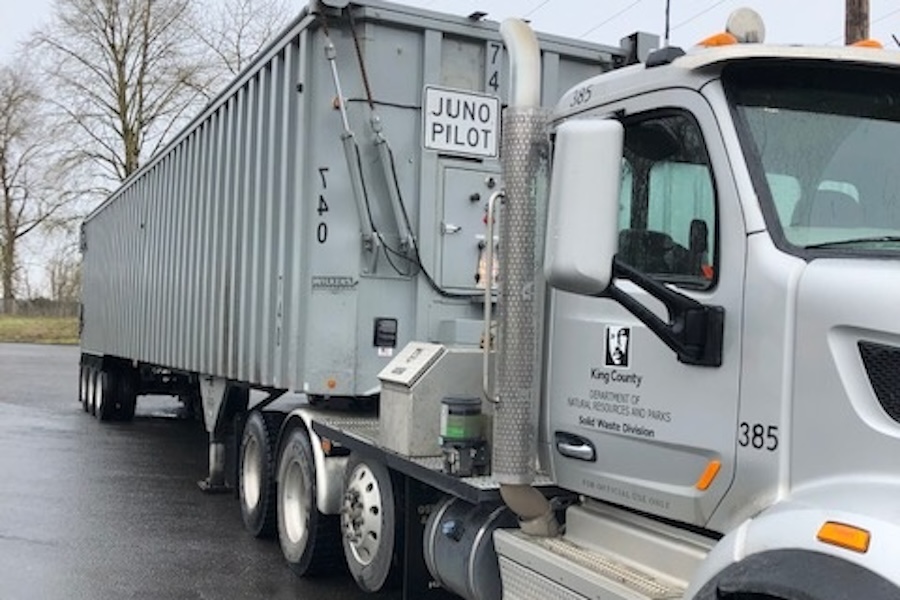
647,354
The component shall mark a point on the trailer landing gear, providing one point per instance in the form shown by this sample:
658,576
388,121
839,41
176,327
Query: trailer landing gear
221,402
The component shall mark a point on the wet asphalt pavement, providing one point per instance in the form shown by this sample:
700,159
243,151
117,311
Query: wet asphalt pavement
91,510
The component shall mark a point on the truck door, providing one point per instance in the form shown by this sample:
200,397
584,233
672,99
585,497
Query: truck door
627,422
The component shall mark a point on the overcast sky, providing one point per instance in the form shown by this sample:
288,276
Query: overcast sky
605,21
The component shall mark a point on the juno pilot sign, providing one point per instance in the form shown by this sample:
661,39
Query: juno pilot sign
461,122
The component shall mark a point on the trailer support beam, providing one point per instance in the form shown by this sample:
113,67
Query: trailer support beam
222,400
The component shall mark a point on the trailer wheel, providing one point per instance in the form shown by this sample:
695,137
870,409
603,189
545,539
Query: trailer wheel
84,388
93,389
310,540
256,483
368,523
124,401
106,394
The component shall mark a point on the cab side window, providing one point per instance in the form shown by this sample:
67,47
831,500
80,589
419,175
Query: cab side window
667,209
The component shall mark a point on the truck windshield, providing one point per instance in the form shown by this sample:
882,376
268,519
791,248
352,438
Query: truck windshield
825,141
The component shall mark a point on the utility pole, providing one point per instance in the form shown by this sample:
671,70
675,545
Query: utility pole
856,21
668,13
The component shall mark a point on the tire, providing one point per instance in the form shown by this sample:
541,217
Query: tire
111,393
310,541
124,401
368,524
107,385
256,482
84,388
93,389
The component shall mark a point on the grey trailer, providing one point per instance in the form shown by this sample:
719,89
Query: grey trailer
323,211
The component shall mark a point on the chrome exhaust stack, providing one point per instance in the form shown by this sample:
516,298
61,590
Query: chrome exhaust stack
524,153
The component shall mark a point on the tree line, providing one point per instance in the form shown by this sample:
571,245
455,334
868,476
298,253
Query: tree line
89,97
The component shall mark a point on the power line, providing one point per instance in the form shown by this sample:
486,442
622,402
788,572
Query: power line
537,8
885,16
602,23
701,13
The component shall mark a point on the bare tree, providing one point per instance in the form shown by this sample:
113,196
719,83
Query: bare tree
122,74
231,33
64,274
30,172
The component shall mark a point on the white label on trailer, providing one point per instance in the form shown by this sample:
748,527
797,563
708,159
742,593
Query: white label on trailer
415,358
461,122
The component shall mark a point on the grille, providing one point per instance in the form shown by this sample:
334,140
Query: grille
883,368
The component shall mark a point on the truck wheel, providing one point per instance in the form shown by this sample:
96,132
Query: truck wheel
256,483
309,540
368,522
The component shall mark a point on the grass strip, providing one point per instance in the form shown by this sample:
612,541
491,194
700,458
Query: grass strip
39,330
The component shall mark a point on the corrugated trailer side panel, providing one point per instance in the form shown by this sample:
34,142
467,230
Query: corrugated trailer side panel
238,253
292,326
181,262
169,206
185,265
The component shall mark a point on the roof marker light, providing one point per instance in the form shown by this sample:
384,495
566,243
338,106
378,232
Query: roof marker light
869,43
719,39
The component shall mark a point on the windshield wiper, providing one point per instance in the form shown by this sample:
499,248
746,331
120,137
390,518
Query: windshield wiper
860,240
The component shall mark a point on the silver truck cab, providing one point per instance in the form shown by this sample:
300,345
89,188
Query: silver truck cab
739,374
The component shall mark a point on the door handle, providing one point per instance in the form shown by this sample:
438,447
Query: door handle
574,446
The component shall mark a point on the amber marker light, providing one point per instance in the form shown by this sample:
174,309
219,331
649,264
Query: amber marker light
719,39
844,536
331,383
869,43
709,474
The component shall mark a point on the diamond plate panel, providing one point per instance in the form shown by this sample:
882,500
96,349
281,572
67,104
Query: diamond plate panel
523,155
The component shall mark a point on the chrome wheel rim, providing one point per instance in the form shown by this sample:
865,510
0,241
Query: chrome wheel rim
250,473
361,518
296,503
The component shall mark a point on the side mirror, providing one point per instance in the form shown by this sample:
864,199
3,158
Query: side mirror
582,224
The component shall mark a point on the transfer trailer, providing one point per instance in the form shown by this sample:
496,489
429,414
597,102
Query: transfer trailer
675,376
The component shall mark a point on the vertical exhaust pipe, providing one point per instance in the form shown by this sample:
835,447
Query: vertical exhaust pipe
523,153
